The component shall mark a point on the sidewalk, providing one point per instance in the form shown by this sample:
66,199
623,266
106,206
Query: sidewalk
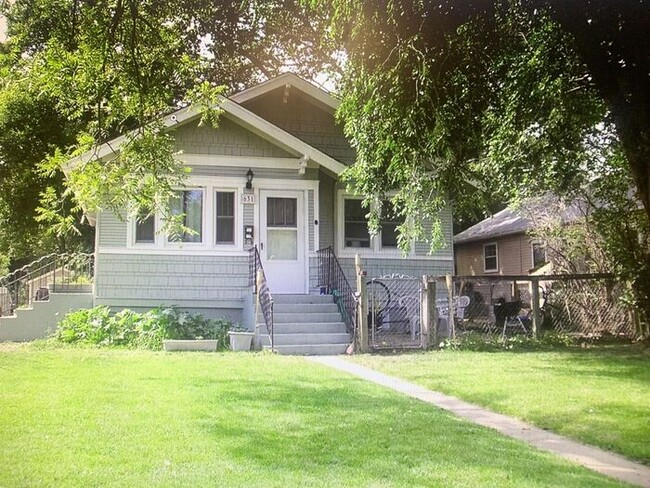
590,457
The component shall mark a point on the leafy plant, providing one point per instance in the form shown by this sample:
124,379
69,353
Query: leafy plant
139,330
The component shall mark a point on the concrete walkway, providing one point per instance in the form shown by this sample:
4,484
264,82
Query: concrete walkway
591,457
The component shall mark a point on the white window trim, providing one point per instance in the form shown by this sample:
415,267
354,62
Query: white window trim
209,186
496,249
238,221
375,248
532,253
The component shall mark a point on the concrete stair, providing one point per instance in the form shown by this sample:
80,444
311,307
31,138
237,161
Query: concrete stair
307,325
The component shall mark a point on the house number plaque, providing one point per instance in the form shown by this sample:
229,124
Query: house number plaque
248,198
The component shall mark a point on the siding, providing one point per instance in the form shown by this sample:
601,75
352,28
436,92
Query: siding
376,267
514,253
306,120
326,189
112,231
229,139
422,248
310,218
125,280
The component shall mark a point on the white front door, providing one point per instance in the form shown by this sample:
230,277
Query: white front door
282,240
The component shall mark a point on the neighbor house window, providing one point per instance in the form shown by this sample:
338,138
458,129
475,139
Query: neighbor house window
225,217
190,204
539,254
356,224
145,229
389,222
490,258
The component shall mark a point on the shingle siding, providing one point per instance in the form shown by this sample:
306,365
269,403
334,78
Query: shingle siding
228,139
305,120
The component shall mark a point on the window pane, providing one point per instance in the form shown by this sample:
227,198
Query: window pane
539,254
145,230
282,244
356,224
190,203
389,222
225,217
490,257
281,212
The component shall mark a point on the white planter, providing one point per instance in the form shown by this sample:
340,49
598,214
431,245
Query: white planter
190,345
240,341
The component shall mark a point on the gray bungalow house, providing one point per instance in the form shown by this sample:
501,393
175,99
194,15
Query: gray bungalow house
266,177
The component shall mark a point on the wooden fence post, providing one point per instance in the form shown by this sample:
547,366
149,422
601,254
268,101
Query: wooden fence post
450,312
362,306
429,318
537,314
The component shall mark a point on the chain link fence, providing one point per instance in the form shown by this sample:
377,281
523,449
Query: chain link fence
395,312
586,305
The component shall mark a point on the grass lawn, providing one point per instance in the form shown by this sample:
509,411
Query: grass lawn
89,417
600,396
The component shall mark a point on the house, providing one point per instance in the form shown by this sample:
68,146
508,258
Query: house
268,176
498,245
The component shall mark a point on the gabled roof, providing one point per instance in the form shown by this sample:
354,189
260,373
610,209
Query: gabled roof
505,222
509,222
240,115
292,80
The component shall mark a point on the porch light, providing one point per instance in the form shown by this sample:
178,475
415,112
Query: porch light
249,179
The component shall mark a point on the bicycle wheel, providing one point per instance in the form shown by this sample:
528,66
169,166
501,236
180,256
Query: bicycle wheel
378,296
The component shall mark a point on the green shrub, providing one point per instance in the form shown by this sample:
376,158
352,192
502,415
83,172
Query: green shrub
142,330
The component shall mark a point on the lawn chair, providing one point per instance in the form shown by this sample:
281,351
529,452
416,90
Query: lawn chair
507,313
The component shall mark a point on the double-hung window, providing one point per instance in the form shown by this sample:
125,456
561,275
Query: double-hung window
189,203
355,226
539,254
145,229
225,217
490,257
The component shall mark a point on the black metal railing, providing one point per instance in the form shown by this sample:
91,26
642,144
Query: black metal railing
68,272
334,282
261,289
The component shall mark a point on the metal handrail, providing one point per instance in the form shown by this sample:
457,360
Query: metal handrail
32,282
262,290
332,278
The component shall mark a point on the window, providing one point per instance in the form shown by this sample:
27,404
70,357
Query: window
145,229
356,224
225,217
281,212
539,254
190,204
490,257
389,222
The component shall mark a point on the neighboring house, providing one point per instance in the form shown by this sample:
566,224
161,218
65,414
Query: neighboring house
498,245
283,131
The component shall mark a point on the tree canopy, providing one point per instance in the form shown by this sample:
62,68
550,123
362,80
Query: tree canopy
76,73
467,100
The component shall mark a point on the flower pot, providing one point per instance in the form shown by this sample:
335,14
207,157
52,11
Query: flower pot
209,345
240,341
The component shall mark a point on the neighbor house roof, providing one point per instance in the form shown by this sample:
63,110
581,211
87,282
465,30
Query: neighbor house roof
240,115
510,222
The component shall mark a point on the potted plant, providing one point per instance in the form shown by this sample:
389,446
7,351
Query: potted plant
240,338
184,331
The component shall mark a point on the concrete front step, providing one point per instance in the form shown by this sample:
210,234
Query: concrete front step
302,299
310,349
306,327
295,339
304,308
306,317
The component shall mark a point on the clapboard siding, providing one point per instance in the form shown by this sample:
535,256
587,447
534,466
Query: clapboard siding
228,139
310,218
422,248
112,231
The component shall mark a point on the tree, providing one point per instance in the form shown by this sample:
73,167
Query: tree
465,100
77,73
